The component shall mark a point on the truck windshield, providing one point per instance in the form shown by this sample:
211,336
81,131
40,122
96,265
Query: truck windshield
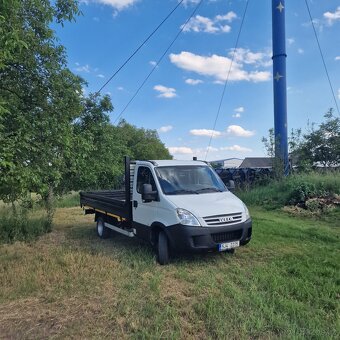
185,180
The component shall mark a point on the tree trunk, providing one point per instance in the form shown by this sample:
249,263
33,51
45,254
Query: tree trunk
50,207
14,209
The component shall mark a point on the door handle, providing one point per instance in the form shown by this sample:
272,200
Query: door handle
135,204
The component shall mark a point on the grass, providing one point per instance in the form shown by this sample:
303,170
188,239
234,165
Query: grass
22,229
69,283
293,189
28,224
68,200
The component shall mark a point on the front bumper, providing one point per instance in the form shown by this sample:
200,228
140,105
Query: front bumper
185,238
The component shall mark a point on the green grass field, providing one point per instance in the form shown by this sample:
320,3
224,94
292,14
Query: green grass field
69,283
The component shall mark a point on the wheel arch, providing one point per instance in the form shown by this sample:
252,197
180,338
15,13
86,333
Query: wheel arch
156,227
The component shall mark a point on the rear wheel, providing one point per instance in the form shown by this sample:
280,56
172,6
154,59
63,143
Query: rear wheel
102,231
163,249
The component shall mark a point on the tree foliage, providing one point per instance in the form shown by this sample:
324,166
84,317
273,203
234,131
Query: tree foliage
322,145
319,145
52,137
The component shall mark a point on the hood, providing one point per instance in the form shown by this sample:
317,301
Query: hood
208,204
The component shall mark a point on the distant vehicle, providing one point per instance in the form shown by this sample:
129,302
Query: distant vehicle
177,206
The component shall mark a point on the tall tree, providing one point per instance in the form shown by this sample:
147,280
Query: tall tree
322,145
39,96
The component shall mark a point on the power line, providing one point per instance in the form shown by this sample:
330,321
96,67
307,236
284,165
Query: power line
227,79
140,46
322,56
159,61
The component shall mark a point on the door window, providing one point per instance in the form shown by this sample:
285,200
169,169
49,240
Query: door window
144,176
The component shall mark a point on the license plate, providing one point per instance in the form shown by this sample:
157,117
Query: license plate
229,245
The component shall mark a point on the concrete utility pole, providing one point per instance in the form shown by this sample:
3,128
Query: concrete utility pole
279,83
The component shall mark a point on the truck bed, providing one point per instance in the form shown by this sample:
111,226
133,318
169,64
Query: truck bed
108,201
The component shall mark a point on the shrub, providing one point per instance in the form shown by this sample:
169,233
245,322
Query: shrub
22,228
68,200
292,190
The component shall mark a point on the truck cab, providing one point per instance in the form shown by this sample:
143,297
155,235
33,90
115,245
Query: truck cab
180,206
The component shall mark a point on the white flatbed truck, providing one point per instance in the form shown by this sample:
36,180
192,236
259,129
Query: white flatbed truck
176,206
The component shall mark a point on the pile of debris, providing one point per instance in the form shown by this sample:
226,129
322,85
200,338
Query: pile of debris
315,205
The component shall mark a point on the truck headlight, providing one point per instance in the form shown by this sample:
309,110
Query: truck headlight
187,218
246,211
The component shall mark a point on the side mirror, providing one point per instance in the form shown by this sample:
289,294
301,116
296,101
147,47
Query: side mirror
231,186
147,194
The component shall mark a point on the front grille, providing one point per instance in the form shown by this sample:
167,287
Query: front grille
223,220
234,235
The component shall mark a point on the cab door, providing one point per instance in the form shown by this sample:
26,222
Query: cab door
144,213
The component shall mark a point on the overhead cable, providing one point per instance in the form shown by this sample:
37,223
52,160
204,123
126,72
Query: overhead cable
322,57
227,79
140,46
159,60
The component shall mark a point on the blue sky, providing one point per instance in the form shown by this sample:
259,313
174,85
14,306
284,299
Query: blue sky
181,97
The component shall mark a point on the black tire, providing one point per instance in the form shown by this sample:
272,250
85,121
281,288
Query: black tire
163,249
243,243
102,231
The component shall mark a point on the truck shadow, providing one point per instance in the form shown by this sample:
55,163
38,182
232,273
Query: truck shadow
130,251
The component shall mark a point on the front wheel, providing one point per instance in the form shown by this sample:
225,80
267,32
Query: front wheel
163,249
102,231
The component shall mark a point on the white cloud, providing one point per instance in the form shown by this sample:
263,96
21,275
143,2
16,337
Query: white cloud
182,150
200,23
239,109
165,92
290,41
257,59
230,16
153,63
205,133
100,76
225,29
85,68
193,81
236,148
301,51
318,24
116,4
120,88
166,128
332,17
337,58
217,66
239,131
339,93
188,2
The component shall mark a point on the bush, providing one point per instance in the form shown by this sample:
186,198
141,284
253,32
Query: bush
21,228
68,200
292,190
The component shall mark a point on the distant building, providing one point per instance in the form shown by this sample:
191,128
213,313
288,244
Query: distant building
257,162
227,163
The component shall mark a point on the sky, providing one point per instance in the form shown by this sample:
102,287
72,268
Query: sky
181,98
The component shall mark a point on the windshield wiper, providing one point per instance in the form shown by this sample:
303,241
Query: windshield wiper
210,189
182,191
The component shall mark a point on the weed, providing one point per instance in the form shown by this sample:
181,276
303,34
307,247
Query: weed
71,284
22,228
